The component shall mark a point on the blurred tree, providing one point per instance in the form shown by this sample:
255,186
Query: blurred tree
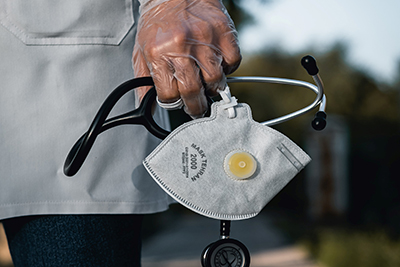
240,16
397,76
396,83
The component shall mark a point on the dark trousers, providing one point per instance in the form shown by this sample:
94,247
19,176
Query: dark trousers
75,240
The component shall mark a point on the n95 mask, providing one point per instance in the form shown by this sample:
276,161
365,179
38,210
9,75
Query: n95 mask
226,166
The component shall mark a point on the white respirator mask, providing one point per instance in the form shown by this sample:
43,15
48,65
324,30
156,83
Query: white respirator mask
226,166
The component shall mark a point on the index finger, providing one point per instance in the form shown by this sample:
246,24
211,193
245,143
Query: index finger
140,69
190,86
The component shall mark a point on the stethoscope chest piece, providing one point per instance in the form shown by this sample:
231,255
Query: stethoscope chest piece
226,252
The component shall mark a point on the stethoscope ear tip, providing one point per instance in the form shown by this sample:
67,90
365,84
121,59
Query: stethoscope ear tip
319,122
310,64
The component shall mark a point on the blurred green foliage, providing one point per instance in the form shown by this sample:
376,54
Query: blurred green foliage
344,248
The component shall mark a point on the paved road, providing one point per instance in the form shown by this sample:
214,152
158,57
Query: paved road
181,243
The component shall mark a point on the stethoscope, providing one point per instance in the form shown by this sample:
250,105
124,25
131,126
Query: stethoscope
226,251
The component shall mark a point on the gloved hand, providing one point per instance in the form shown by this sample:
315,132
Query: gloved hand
187,46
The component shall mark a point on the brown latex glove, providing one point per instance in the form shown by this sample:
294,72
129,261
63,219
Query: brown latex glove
187,47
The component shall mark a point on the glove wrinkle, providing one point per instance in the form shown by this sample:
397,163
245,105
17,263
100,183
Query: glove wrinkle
188,47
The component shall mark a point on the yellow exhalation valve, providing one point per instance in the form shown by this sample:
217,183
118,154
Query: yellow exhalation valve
240,165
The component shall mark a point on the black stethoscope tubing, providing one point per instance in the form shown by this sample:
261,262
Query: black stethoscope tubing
142,115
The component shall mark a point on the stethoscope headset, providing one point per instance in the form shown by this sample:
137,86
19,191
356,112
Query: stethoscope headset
226,251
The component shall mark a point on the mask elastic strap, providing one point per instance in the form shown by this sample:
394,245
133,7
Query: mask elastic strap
229,102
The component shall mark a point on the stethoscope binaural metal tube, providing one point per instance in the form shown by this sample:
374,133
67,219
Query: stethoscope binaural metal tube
319,100
310,65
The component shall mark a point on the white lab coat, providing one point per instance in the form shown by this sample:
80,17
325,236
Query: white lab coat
59,60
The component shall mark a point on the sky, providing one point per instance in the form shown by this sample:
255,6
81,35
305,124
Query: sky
370,28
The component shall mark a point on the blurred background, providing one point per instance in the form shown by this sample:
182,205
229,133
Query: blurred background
344,208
